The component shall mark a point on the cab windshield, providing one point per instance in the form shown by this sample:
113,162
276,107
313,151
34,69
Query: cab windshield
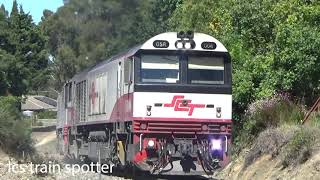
205,70
192,69
159,69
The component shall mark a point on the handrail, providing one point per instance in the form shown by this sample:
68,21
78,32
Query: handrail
315,107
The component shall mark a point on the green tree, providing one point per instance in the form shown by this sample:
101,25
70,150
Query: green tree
23,56
273,44
153,18
91,31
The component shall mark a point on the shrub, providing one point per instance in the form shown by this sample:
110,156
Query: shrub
300,147
270,142
268,113
46,115
15,133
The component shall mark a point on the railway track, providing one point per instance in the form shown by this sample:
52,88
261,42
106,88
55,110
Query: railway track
45,144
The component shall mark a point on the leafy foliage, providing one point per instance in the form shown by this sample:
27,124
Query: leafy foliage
82,33
15,136
273,44
46,115
23,56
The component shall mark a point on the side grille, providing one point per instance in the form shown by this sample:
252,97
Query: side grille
214,128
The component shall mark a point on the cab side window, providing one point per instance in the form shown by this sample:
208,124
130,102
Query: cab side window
67,94
127,71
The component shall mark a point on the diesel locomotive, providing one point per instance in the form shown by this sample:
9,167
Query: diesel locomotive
164,106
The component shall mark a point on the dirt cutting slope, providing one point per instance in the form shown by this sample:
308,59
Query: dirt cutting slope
267,167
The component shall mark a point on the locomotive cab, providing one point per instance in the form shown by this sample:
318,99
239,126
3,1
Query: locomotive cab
182,104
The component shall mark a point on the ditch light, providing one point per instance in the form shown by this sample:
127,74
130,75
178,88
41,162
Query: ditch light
216,144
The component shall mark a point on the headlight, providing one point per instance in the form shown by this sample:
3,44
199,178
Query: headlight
187,45
179,44
216,144
150,143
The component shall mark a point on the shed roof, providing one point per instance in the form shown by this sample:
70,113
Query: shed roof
34,103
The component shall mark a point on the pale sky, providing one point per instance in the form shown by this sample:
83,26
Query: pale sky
34,7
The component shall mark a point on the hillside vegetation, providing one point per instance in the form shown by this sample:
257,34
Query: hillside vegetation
273,126
274,145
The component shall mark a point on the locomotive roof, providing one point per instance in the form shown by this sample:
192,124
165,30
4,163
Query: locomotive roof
168,36
129,52
172,38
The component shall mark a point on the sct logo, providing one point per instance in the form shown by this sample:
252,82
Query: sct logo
181,104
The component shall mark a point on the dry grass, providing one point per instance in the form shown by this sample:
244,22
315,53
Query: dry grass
270,142
294,144
301,146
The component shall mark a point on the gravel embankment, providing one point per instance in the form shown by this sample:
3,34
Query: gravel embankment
45,146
